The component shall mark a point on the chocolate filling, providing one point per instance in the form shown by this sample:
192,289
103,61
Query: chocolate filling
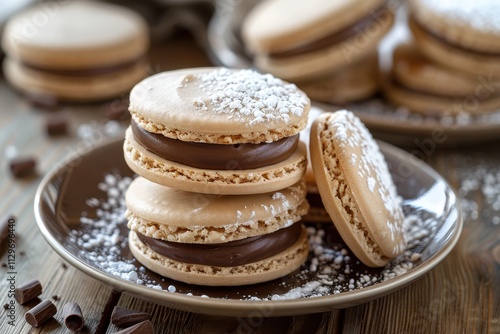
229,254
444,40
85,71
216,156
339,36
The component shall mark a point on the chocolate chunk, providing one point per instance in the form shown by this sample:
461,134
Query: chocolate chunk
145,327
5,226
6,306
56,297
73,318
64,266
40,313
56,125
28,291
20,167
124,317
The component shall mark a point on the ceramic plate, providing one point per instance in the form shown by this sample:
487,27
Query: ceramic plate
64,194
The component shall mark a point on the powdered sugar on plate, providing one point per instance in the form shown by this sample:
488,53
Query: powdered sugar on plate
249,95
330,269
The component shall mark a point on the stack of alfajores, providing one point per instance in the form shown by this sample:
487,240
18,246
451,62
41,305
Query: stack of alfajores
220,191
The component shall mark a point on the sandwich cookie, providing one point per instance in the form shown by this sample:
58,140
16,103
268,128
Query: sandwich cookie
217,131
461,34
83,51
352,83
427,87
217,240
298,40
356,187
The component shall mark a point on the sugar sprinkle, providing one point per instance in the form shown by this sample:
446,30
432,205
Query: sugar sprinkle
247,93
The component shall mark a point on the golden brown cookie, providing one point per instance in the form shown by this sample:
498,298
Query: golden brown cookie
217,240
356,187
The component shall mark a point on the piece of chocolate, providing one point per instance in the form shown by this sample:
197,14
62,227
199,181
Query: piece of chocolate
40,313
145,327
73,317
56,125
6,225
20,167
28,291
103,324
124,317
56,297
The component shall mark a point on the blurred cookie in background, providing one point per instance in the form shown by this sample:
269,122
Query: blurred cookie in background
78,51
351,83
461,34
430,88
304,40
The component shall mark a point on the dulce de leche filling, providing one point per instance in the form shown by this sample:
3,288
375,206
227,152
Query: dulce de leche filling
365,24
229,254
216,156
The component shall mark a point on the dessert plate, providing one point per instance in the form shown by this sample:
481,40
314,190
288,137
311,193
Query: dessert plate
73,189
385,121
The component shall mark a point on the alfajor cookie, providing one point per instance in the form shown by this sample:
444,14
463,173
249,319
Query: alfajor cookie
217,240
461,34
352,83
427,87
78,51
356,187
299,40
218,131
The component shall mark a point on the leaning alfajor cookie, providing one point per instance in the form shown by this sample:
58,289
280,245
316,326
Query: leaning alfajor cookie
217,240
218,131
356,188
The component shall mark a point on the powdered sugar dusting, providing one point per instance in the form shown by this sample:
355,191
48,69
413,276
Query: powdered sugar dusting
483,15
247,95
372,168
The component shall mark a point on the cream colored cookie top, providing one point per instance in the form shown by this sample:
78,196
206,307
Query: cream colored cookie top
219,105
279,25
356,186
172,207
415,71
76,35
472,24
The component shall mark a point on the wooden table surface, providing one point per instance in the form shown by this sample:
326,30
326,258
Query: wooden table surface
461,295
